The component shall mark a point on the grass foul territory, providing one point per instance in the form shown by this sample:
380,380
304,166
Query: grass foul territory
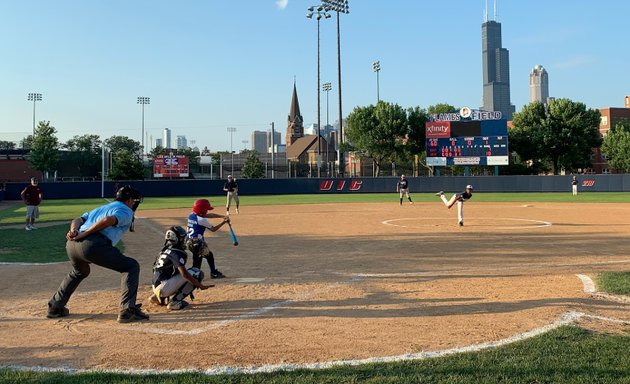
617,283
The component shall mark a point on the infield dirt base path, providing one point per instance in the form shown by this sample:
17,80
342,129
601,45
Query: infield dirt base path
316,283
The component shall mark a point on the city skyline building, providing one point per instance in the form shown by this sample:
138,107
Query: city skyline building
496,68
182,142
259,141
539,84
166,138
158,143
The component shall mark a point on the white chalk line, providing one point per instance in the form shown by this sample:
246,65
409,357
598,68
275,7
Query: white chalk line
565,319
541,223
589,287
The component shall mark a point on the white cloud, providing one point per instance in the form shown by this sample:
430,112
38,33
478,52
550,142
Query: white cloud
282,4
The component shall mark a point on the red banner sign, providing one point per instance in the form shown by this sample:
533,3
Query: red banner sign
438,129
170,166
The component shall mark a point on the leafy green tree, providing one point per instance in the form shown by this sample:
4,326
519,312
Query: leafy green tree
563,133
253,168
616,146
44,156
378,131
7,144
440,108
126,158
85,154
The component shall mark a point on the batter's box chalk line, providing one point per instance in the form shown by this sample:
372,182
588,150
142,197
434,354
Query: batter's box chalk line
536,223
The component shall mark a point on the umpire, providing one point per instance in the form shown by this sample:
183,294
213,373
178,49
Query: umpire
92,239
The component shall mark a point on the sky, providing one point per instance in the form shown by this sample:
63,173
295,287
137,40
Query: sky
208,65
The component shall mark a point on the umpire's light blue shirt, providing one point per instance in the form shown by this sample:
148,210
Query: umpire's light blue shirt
118,209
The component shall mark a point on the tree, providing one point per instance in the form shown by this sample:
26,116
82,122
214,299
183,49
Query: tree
440,108
44,155
126,158
562,132
7,145
616,146
253,168
85,154
378,131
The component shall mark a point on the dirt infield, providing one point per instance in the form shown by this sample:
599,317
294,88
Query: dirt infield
318,283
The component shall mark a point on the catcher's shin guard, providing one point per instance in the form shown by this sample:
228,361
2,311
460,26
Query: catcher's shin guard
187,289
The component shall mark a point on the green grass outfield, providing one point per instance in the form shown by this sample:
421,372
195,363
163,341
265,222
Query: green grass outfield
565,355
63,210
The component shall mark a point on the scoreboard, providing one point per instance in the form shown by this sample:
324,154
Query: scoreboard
467,142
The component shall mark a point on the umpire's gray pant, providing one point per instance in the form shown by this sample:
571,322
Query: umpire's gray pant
98,249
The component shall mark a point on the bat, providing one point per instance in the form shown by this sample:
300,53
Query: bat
234,240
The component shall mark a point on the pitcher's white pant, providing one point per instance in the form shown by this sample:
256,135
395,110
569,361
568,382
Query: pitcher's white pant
404,192
230,196
574,190
451,202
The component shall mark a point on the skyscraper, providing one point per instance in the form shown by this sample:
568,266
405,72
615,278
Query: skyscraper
182,142
166,138
496,69
259,141
539,84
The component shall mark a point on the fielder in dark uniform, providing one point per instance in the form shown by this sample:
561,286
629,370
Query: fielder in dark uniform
92,239
172,282
458,198
402,187
574,185
197,225
231,187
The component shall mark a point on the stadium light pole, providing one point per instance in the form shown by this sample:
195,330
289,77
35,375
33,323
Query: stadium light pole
273,149
231,130
34,97
376,67
143,101
318,12
327,87
339,6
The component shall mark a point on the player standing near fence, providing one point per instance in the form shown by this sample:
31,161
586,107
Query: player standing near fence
402,187
231,187
458,198
574,184
32,197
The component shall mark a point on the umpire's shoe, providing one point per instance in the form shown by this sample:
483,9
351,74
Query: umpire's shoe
216,275
55,312
131,314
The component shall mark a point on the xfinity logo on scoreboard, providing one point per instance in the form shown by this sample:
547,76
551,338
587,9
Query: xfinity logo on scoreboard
467,114
438,129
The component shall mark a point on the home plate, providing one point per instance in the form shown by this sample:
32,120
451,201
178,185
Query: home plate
249,280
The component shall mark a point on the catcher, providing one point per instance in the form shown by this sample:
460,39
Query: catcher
172,282
197,225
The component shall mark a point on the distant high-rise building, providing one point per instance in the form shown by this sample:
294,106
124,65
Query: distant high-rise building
259,141
182,143
166,138
158,143
277,139
295,123
539,85
496,69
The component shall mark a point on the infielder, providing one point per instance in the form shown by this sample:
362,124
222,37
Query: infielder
231,187
172,282
402,187
92,239
32,197
458,198
197,225
574,184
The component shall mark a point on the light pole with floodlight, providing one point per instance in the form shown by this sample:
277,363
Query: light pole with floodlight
339,6
34,97
143,101
318,12
231,130
376,67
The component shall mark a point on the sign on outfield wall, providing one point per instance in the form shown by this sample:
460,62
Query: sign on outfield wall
170,166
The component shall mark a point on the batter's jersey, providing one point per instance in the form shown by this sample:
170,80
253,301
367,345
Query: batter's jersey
197,226
166,265
403,184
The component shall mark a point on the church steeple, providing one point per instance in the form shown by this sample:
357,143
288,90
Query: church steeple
295,124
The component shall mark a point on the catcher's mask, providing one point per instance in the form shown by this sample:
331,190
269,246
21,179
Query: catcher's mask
175,237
